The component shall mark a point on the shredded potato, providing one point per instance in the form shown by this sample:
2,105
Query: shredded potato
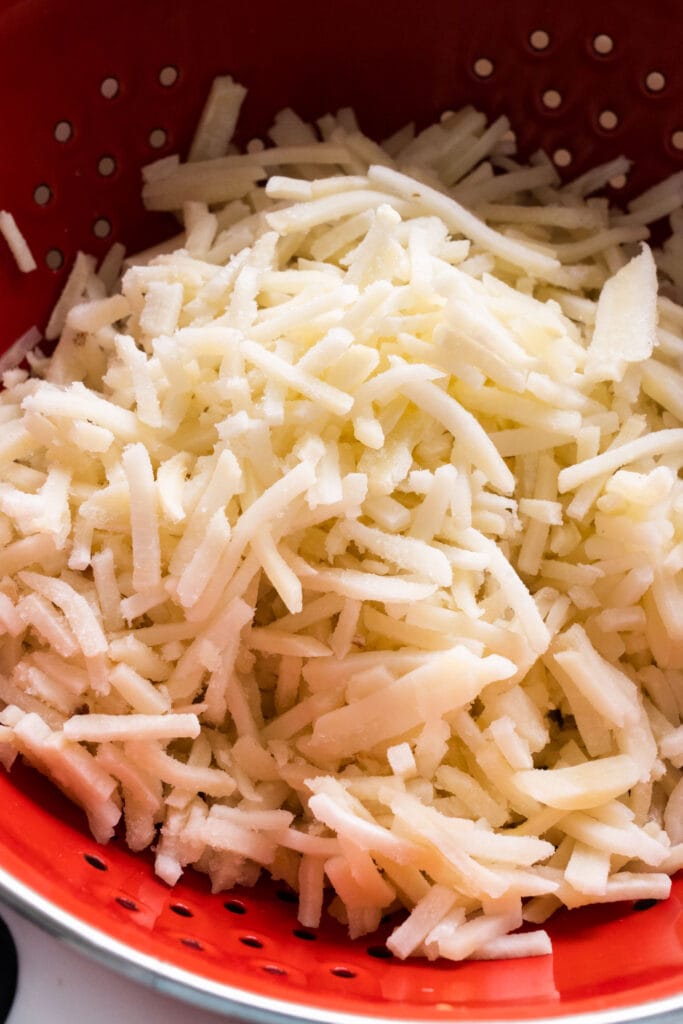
341,537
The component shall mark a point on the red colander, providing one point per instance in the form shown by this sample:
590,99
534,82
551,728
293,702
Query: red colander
89,92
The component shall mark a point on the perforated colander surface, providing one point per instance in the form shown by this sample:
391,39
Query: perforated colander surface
89,93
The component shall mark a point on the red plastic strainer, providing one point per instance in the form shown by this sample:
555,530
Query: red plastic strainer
90,92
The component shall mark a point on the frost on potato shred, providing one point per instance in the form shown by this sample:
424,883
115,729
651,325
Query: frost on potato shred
341,537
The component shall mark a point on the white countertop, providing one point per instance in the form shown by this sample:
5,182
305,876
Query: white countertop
58,985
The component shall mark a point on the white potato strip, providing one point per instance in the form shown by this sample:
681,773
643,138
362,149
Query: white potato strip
554,215
75,770
10,619
267,507
628,885
296,314
35,611
429,828
630,842
76,403
364,586
661,442
139,603
199,570
319,153
138,691
464,940
22,348
73,290
626,320
279,573
580,786
311,879
513,947
143,517
426,914
98,313
588,870
514,589
318,391
99,728
146,398
304,216
608,689
225,835
208,645
461,221
16,442
212,184
275,641
114,760
17,243
405,552
467,432
129,650
38,549
77,611
440,687
366,834
487,845
192,778
218,119
298,717
527,411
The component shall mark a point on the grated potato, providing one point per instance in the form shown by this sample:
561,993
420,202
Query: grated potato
341,537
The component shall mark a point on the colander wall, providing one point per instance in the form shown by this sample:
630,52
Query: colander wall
89,93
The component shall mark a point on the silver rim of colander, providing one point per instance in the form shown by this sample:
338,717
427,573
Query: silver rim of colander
241,1005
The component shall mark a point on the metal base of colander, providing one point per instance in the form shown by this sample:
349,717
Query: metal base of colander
89,93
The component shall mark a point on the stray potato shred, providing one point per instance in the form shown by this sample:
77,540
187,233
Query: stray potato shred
341,536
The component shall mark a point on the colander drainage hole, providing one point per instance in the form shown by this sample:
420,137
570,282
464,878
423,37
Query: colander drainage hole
287,896
127,904
655,81
168,75
63,131
106,166
483,67
304,934
539,39
193,944
608,120
273,969
42,194
562,157
181,910
109,87
157,138
54,259
380,952
677,140
645,904
342,972
95,862
251,941
102,227
603,44
552,99
235,907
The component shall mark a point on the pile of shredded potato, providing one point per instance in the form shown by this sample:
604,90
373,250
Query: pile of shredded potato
342,535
